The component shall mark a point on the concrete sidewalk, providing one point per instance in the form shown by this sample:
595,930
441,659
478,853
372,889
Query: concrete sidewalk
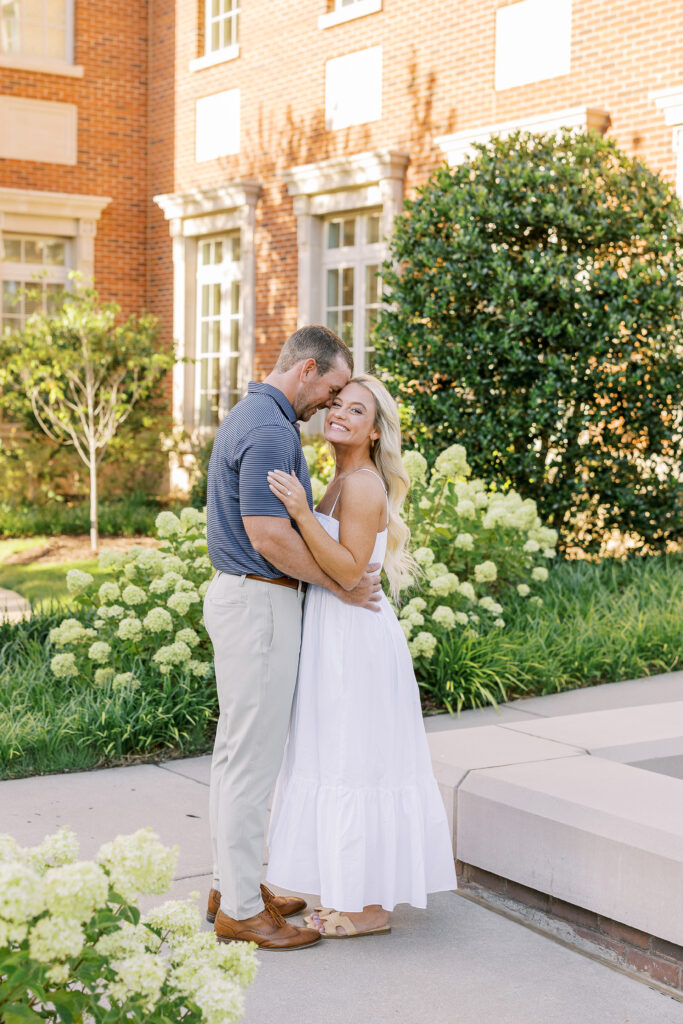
456,963
13,607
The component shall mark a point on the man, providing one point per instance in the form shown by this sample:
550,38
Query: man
252,612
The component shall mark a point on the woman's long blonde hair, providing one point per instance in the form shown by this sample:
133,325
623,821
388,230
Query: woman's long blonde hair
385,452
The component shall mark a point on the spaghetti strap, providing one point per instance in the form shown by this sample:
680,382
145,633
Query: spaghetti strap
372,473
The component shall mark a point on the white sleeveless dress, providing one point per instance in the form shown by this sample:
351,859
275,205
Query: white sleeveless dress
357,814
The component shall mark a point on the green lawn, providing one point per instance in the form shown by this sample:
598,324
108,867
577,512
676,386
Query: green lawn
44,583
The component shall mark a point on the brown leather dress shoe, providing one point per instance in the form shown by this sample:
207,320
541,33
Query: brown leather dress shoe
268,930
285,905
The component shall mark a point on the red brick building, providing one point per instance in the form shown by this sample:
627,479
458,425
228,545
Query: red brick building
235,165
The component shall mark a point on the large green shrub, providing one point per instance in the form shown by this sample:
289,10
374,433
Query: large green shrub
535,315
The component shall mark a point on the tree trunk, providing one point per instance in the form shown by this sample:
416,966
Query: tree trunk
94,535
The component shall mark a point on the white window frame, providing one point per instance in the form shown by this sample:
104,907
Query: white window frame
224,274
33,276
361,182
343,12
670,102
357,257
222,54
194,216
48,65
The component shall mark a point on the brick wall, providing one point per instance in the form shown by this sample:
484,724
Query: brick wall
111,44
438,77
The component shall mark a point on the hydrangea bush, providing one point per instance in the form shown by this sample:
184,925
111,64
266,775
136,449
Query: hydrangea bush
148,618
75,947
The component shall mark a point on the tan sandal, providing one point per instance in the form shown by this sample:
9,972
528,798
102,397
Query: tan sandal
321,912
338,920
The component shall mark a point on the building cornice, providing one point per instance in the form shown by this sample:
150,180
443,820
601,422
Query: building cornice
51,204
345,172
202,201
670,101
457,146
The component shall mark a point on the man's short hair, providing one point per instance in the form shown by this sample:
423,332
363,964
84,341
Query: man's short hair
314,342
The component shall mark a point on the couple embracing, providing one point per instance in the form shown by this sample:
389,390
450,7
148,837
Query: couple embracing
323,695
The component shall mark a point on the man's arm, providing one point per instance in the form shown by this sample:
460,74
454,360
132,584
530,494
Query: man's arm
278,542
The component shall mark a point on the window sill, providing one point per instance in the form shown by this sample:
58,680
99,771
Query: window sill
44,65
209,60
357,10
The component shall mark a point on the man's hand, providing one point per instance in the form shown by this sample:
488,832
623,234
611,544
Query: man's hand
367,593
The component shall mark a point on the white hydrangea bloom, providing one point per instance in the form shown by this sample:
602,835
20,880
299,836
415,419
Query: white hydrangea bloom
535,600
125,681
531,546
218,996
77,581
487,603
103,676
424,556
545,536
461,618
112,559
141,975
9,849
481,499
109,592
125,940
190,517
202,950
548,552
185,587
165,582
129,629
188,636
99,623
133,595
112,611
172,563
523,590
465,509
99,651
130,571
203,563
69,631
158,620
444,585
200,669
167,524
485,572
60,847
437,569
499,623
138,863
424,503
149,560
423,645
415,466
418,603
21,896
467,591
54,938
176,919
415,619
176,653
465,541
181,603
75,891
63,666
444,616
539,573
407,628
58,974
452,462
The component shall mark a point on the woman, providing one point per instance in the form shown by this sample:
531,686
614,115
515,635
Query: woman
358,816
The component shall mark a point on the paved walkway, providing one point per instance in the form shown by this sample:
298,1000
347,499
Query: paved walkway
13,607
456,963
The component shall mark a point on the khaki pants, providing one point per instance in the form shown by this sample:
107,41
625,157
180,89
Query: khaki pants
255,629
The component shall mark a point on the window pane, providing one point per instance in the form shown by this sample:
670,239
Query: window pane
235,28
233,368
204,411
217,252
33,10
333,320
347,286
9,28
55,12
332,288
370,321
347,326
216,300
215,415
33,301
11,250
11,300
205,300
55,253
372,233
373,284
205,337
216,336
32,39
350,231
205,253
234,336
235,297
216,35
333,234
236,248
204,378
53,298
33,251
215,375
55,43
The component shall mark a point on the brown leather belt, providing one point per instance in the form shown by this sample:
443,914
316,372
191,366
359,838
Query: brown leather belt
279,581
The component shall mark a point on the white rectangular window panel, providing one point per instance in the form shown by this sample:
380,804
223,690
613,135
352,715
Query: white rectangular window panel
38,130
218,125
353,88
533,42
352,289
33,274
36,28
218,384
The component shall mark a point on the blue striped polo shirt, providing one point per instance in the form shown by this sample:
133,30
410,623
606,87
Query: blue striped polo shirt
258,434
